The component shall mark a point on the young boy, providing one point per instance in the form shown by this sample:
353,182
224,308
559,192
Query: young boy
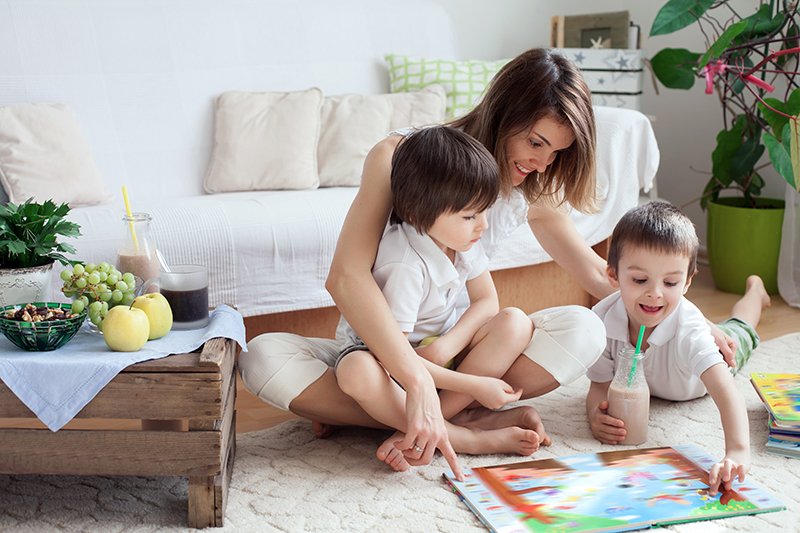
652,259
442,182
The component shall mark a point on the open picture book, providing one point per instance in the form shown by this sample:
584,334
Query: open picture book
605,491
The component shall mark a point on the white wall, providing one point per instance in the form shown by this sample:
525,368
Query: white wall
686,122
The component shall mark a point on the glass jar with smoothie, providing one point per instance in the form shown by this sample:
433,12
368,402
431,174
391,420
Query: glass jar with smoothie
137,253
629,396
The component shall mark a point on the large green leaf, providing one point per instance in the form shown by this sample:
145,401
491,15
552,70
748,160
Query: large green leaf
780,154
677,14
723,42
674,67
776,120
728,143
761,24
743,162
792,41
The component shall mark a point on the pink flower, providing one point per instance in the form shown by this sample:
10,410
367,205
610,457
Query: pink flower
710,70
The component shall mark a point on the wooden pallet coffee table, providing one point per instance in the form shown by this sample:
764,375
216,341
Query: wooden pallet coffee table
197,387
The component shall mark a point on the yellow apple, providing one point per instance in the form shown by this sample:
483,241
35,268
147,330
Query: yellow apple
158,312
125,329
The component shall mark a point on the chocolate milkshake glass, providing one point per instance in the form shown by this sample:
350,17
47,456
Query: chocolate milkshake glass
137,254
186,289
629,396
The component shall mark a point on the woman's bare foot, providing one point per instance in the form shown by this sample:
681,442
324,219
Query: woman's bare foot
389,454
524,416
321,431
756,285
505,440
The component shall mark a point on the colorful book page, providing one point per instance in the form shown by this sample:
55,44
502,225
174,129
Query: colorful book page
607,491
780,394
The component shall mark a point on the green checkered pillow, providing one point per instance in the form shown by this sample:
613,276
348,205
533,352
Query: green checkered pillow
464,81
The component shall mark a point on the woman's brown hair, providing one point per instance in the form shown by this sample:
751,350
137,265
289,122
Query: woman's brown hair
538,84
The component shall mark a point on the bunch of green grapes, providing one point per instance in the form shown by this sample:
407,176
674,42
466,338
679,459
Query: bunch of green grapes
97,288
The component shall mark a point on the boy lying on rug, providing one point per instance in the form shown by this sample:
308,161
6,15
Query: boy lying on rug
652,259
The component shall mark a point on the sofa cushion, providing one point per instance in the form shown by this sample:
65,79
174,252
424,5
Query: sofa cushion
265,141
353,123
464,81
43,154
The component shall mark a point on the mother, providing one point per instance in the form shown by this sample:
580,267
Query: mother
537,120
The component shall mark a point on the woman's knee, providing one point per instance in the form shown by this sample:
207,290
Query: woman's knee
566,341
279,366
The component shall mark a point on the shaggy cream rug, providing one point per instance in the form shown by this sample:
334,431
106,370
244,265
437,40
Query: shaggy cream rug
285,480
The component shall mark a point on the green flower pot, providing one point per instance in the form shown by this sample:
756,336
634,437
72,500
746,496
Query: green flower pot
743,241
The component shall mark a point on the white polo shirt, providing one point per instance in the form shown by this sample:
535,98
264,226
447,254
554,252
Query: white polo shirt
680,349
420,283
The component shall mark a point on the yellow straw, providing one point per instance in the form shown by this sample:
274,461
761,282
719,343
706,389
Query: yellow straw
130,217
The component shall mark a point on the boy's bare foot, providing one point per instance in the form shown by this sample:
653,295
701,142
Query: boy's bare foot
389,454
524,416
505,440
321,431
756,285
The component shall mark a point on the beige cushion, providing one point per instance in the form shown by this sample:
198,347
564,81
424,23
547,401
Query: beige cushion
265,140
353,123
43,155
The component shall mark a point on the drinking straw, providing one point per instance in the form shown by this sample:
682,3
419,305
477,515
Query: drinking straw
130,217
637,352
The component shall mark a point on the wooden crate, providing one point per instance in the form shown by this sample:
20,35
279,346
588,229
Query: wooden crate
197,391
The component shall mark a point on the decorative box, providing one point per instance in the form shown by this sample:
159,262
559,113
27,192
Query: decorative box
613,75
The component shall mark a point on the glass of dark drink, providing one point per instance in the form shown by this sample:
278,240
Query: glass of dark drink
186,289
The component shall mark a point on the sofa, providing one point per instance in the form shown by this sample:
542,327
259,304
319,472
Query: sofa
153,95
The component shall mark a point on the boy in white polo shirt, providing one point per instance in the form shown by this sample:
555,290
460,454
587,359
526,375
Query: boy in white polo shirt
652,259
442,183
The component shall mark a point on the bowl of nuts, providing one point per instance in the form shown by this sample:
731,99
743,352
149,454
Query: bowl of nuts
40,326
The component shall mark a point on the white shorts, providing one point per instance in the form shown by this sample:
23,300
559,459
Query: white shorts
277,367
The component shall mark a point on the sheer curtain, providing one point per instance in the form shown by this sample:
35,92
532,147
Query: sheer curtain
789,262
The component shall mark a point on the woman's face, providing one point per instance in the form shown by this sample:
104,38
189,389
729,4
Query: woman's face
534,149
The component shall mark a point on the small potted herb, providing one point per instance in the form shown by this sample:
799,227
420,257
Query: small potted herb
29,246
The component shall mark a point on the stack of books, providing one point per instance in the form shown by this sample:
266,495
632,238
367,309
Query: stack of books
781,396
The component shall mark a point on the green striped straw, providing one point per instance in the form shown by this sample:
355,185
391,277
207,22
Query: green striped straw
637,352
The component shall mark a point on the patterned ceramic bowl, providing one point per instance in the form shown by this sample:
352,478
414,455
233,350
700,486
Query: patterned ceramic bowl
43,335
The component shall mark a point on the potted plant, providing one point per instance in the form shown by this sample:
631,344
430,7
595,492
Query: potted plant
750,62
29,246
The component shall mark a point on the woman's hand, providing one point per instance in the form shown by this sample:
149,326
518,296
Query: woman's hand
426,430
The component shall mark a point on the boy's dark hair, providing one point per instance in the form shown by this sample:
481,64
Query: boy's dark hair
658,226
439,170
